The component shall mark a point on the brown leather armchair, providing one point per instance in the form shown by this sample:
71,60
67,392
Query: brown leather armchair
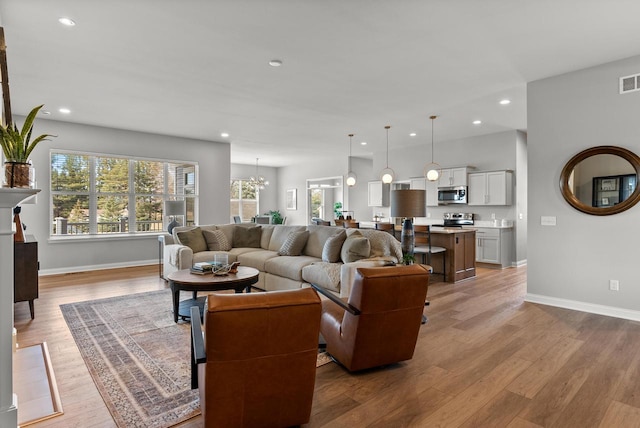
260,363
379,324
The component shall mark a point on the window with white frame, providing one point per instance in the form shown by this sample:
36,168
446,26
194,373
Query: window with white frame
244,199
101,195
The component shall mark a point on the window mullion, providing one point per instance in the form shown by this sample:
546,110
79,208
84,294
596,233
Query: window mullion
132,198
93,199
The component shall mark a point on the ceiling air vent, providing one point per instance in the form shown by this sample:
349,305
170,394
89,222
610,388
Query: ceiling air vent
630,83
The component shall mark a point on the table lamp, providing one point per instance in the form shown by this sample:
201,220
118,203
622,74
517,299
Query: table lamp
407,204
173,209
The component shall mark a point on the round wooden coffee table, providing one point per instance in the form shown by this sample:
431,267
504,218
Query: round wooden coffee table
184,280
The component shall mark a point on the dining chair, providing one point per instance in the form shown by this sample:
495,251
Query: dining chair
422,235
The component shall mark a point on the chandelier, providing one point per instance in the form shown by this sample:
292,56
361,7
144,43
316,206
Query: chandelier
258,181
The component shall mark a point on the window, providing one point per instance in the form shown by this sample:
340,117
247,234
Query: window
103,194
244,200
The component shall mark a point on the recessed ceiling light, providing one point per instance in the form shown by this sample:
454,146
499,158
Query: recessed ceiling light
64,110
364,143
224,135
413,134
477,122
275,63
45,112
67,21
505,102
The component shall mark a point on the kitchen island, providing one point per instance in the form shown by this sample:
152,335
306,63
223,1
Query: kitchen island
461,250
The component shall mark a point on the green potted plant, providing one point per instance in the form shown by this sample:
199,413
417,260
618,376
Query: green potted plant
337,209
276,217
17,145
408,259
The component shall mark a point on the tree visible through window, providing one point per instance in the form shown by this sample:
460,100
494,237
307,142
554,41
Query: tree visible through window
244,200
99,195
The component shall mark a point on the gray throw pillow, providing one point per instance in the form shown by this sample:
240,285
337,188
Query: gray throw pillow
355,247
247,237
333,246
193,239
294,244
216,240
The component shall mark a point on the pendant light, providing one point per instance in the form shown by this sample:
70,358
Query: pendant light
432,170
259,182
387,174
351,176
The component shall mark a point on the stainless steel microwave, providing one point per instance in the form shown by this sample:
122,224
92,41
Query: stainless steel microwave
452,195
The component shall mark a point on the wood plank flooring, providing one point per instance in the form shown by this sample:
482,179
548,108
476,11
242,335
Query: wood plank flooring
484,359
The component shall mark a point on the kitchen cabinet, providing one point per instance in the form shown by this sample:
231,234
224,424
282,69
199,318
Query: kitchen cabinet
378,194
494,245
490,188
451,177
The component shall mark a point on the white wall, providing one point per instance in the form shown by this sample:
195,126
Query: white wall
575,259
520,200
77,255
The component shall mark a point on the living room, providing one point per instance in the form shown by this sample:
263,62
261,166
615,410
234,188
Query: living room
566,112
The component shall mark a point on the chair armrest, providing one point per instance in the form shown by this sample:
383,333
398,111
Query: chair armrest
347,307
166,239
196,337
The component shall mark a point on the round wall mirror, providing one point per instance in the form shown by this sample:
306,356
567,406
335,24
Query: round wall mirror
601,180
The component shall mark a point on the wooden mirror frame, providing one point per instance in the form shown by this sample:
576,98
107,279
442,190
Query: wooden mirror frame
572,199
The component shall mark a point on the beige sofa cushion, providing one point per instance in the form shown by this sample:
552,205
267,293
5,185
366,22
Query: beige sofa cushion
333,247
326,275
382,243
355,247
216,240
267,231
289,266
208,256
256,259
318,235
193,239
281,233
294,244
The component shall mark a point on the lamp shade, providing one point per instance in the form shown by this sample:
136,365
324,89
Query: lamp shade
408,203
172,208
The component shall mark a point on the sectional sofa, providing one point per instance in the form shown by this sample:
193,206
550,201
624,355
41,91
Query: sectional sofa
287,256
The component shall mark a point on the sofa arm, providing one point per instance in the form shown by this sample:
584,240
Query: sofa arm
348,271
177,257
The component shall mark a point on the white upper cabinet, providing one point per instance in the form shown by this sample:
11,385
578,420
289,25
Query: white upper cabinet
490,188
378,194
451,177
431,188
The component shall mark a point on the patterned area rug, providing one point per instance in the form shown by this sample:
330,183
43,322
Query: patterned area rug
138,357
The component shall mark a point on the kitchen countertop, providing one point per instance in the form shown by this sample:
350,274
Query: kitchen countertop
490,224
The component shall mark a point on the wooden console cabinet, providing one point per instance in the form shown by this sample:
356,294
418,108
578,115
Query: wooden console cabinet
25,272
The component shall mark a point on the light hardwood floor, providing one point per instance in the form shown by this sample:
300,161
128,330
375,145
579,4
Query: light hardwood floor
485,359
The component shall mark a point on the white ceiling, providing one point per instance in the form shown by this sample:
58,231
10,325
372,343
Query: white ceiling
196,68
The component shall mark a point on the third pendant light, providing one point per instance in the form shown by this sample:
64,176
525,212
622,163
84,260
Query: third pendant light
387,174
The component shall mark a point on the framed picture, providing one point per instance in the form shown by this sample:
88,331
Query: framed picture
292,203
608,184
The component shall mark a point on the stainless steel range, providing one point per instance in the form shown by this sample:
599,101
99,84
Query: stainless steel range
457,219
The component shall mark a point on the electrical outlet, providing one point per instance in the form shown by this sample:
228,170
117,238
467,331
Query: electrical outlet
428,215
614,285
493,216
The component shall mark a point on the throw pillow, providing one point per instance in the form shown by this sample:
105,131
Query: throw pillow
193,239
247,237
216,240
294,244
355,247
332,247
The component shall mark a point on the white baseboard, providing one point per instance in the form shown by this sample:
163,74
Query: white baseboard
592,308
519,263
75,269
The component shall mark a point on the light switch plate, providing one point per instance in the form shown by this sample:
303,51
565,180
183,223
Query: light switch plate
548,220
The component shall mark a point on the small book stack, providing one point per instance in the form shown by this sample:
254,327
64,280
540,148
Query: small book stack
202,268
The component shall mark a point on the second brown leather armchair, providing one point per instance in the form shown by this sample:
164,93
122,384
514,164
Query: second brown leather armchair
379,324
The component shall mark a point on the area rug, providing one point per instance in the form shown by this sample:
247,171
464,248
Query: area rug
137,356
